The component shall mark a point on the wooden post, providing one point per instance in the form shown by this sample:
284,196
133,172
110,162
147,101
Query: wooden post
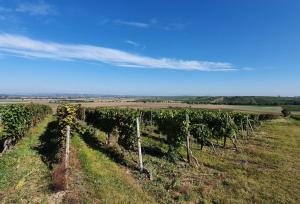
6,143
139,144
188,151
67,153
250,126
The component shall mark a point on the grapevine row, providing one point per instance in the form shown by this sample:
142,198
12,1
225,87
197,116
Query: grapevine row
204,126
17,119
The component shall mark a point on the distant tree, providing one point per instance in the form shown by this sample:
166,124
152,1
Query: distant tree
285,112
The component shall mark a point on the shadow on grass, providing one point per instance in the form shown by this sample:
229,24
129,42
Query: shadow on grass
50,145
295,117
153,151
113,152
158,139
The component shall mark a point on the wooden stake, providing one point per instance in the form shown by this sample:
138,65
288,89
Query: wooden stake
139,144
188,151
6,145
67,153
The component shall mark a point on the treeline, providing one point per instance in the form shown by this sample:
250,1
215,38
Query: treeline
17,119
260,100
229,100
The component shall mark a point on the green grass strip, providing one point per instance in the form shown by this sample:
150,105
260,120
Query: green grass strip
111,183
23,174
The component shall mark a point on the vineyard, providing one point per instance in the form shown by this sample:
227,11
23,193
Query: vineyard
16,120
205,127
170,155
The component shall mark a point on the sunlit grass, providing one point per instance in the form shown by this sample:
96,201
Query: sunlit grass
265,170
23,175
110,182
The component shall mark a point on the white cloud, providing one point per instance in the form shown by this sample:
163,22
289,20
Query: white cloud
174,24
27,47
130,42
37,8
132,23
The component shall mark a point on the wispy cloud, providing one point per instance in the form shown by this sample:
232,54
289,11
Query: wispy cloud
27,47
132,23
168,25
38,8
130,42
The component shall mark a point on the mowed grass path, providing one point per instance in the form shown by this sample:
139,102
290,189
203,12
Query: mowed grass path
24,177
110,182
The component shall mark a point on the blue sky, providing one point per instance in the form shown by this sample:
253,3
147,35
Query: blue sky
155,47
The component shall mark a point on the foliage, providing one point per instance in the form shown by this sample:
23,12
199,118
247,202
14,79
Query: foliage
68,114
204,126
104,119
108,120
127,128
172,124
17,119
286,112
268,116
202,134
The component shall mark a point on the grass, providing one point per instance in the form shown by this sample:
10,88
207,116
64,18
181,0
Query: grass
110,182
265,170
23,175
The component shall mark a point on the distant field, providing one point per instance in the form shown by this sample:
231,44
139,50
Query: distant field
264,109
40,101
143,105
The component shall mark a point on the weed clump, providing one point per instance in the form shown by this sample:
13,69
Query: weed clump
59,178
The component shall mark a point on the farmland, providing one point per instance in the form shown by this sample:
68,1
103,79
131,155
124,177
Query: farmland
106,168
157,105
